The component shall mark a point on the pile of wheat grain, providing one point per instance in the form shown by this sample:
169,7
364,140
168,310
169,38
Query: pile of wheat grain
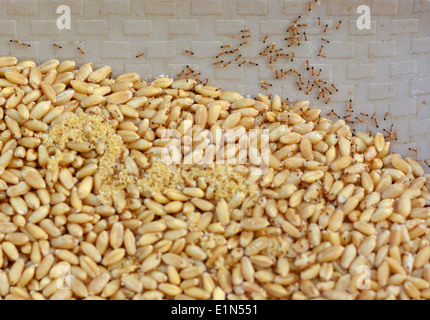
89,210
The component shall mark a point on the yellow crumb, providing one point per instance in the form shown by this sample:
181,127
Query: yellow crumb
208,241
159,177
225,181
278,246
97,131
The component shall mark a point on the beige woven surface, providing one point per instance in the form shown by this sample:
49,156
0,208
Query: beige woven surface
384,69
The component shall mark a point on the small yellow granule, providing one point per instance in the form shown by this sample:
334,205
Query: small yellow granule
225,181
159,177
96,130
